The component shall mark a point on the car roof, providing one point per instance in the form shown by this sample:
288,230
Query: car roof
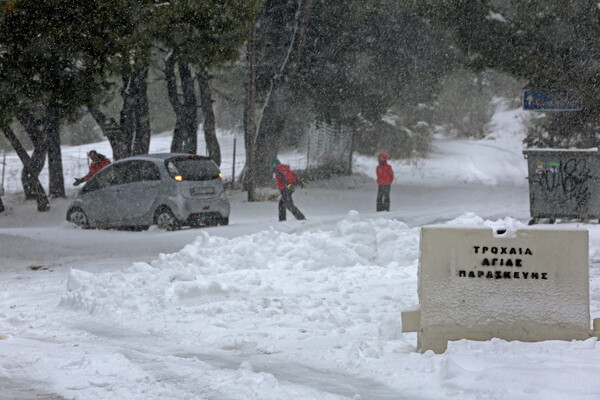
161,157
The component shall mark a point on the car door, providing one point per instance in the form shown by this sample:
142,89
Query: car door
112,209
140,191
96,196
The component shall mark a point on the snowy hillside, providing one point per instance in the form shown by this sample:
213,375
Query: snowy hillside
497,159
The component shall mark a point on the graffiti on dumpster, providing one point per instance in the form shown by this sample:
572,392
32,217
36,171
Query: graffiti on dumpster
567,182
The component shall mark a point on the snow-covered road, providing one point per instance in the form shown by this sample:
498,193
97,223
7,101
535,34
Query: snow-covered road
56,241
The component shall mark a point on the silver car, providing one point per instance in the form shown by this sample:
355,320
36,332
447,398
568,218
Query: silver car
168,190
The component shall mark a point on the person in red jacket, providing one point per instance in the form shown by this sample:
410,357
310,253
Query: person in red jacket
385,177
286,183
99,161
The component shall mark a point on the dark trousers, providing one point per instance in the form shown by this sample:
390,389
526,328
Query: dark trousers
286,202
383,198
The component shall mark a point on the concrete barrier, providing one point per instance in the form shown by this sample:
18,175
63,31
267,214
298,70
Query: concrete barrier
529,285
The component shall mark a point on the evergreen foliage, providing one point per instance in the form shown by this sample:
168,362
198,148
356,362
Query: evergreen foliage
205,33
361,58
552,44
56,52
365,57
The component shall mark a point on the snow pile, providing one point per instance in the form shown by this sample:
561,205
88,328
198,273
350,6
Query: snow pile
326,281
326,299
507,225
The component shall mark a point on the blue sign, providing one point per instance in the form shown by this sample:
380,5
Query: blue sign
552,100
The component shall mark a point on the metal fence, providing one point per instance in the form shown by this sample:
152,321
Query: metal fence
329,145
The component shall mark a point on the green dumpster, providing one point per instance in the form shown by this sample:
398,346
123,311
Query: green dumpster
563,184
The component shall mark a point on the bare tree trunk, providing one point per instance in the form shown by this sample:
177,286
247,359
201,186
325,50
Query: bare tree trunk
42,200
141,143
186,123
270,127
127,114
98,116
35,129
134,137
275,109
135,118
206,102
190,109
55,169
116,142
249,116
171,78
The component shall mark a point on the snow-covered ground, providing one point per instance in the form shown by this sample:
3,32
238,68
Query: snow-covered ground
266,310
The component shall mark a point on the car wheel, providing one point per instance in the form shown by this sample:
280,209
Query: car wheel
78,217
165,220
224,221
212,221
195,224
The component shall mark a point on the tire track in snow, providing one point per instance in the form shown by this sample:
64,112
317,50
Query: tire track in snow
333,382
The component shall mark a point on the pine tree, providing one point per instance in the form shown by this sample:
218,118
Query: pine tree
199,35
358,58
54,56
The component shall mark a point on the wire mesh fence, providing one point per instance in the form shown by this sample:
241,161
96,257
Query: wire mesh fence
329,145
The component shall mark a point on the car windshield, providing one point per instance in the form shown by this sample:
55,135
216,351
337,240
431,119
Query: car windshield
193,168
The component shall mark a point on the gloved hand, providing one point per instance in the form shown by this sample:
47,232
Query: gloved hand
77,182
290,187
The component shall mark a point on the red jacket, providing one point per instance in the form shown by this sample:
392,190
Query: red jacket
95,167
290,175
385,174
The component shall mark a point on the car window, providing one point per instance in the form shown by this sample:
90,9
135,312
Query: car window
101,180
193,168
149,171
119,174
138,171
